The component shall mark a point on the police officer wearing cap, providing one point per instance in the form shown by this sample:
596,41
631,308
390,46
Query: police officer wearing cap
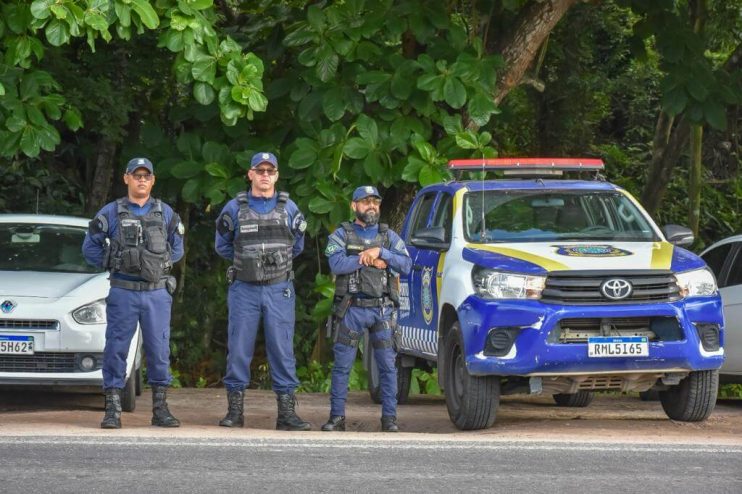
137,238
366,258
261,231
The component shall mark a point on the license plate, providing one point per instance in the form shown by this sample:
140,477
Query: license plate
618,346
16,345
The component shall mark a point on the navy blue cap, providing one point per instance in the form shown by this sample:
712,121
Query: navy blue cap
365,191
259,158
139,163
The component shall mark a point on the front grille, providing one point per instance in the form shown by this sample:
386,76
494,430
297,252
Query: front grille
39,362
578,330
28,324
583,287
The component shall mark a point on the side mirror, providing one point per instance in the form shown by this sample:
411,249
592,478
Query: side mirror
430,238
678,235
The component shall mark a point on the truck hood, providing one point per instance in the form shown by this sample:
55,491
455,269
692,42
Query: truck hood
539,258
34,284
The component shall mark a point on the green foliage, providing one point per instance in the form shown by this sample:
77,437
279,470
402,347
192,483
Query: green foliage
730,391
317,378
424,382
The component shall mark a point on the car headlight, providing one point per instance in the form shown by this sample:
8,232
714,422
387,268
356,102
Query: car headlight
94,313
696,282
493,284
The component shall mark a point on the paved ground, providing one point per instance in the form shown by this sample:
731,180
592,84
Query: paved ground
610,418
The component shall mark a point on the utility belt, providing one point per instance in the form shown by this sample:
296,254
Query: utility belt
371,302
234,274
342,334
168,282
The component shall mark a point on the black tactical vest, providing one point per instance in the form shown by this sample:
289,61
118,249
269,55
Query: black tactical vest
263,243
367,281
140,247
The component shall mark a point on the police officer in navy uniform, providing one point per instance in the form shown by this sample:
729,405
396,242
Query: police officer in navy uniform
366,258
261,231
137,238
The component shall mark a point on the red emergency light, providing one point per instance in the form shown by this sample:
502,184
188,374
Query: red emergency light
555,164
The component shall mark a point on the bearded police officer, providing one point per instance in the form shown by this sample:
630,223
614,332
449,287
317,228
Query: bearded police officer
261,231
137,238
366,258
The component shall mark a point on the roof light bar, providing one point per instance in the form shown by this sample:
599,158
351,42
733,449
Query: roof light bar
579,164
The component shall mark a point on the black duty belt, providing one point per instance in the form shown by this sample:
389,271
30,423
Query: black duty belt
371,302
271,281
138,285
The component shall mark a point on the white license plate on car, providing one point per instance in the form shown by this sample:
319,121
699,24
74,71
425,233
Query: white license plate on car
618,346
16,345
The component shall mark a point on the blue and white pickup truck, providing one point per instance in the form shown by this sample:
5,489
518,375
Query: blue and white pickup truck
538,284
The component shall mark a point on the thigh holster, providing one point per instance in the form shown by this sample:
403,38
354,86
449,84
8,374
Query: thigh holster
381,342
346,336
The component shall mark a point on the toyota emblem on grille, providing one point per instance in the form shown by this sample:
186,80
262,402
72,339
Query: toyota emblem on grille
7,306
616,289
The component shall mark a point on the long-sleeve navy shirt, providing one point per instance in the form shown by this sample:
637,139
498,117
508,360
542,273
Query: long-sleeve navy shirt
396,256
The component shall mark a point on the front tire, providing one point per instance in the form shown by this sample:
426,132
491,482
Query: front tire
694,398
471,400
579,399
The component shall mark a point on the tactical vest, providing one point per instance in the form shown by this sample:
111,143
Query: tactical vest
367,281
140,247
263,243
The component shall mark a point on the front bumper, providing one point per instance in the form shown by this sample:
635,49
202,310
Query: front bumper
533,354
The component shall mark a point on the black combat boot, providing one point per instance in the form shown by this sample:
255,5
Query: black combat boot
287,419
235,410
336,423
389,424
112,418
161,416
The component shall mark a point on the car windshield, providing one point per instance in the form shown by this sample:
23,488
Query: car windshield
544,216
39,247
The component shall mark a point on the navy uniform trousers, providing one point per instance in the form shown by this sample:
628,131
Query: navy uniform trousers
247,302
124,309
358,319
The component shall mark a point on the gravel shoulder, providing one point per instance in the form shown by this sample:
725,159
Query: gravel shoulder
610,418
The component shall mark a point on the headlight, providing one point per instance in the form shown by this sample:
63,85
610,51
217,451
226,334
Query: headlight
489,283
94,313
696,282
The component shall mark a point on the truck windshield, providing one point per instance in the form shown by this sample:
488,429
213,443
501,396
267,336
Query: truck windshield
43,247
543,216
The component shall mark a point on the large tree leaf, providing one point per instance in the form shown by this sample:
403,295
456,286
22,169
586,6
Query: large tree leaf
203,93
715,115
356,148
333,104
146,13
368,130
320,205
217,170
186,169
454,92
327,63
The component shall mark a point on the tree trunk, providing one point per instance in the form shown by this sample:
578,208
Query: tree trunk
694,180
667,148
521,45
101,186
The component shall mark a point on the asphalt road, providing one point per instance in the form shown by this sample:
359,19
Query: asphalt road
133,465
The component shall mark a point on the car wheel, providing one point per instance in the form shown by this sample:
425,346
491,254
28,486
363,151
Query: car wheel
574,400
404,376
140,381
694,398
129,394
471,400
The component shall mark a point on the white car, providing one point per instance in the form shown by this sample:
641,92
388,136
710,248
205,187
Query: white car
725,260
53,309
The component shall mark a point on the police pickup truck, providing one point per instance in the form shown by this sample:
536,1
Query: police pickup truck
541,284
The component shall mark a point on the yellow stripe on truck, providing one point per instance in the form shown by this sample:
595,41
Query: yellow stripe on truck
661,255
544,262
